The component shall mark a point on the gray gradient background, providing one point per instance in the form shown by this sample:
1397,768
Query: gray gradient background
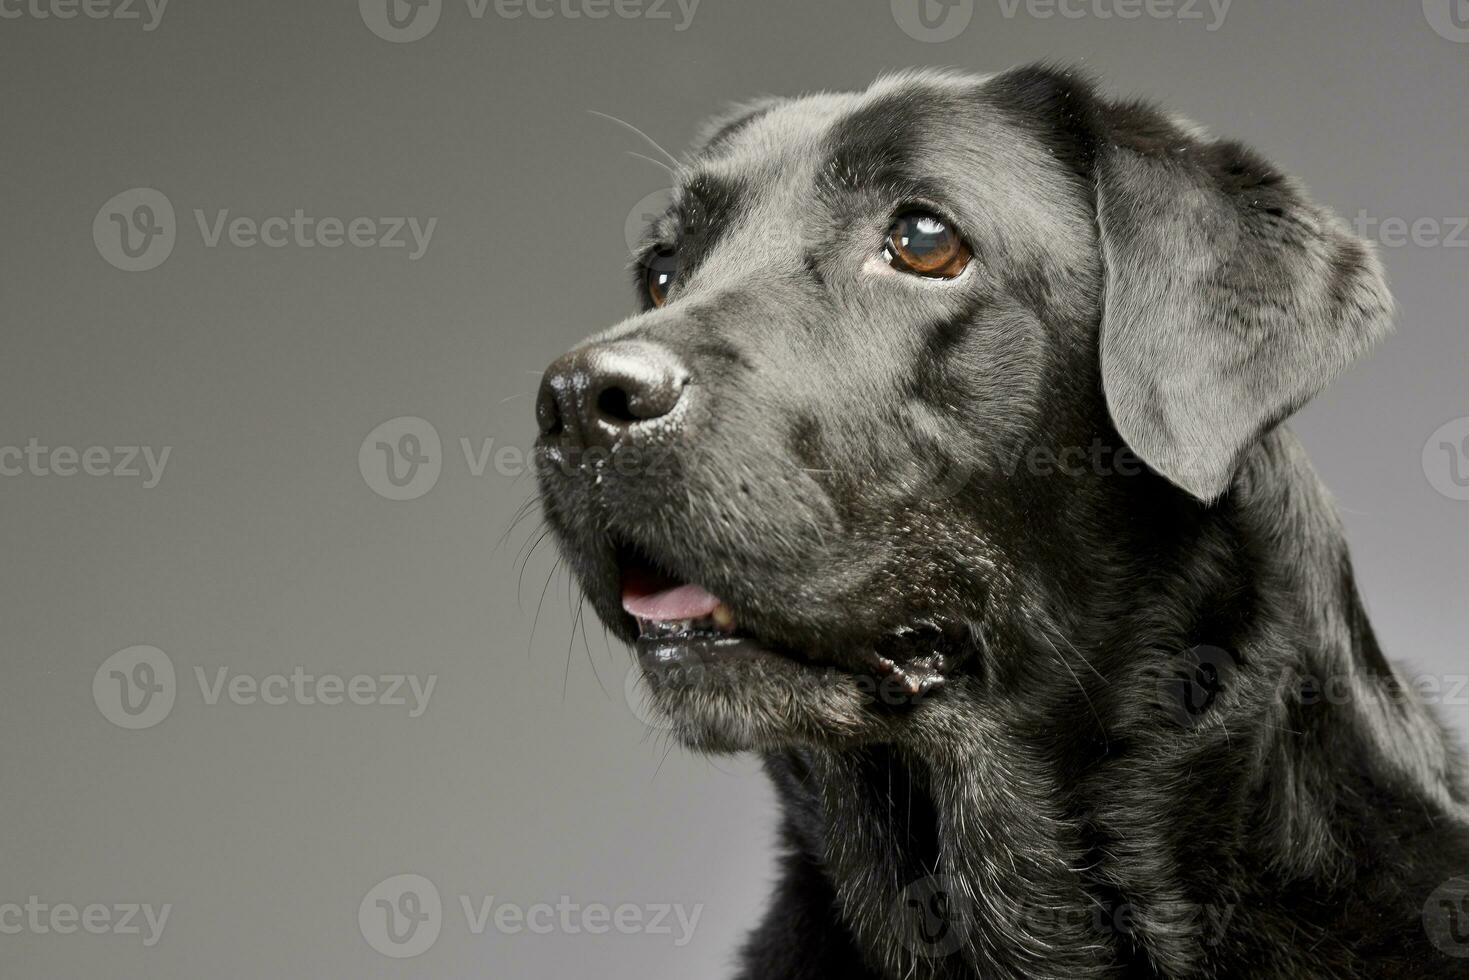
263,549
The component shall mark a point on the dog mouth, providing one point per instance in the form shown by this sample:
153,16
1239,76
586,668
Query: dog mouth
682,625
666,608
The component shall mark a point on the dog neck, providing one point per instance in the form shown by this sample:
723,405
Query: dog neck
1063,819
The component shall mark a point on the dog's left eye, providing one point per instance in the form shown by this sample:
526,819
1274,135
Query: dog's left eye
660,271
925,245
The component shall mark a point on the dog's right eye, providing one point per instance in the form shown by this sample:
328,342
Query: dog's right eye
923,244
660,271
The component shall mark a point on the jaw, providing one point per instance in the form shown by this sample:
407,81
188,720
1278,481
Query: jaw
742,650
763,701
726,690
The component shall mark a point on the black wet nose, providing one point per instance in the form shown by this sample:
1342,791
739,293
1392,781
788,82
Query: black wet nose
601,394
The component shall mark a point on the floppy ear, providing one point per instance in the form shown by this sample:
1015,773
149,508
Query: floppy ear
1230,299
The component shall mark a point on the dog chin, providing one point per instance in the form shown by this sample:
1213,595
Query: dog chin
739,697
758,711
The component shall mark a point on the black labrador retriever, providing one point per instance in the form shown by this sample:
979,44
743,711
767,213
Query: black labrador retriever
944,467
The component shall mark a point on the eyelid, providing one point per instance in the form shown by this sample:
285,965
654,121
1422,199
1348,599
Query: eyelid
645,254
934,208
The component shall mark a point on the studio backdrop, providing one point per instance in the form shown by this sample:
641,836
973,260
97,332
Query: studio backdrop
279,281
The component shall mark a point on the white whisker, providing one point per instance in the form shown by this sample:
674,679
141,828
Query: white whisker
651,141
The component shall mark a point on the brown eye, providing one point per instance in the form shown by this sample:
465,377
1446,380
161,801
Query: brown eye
660,273
924,245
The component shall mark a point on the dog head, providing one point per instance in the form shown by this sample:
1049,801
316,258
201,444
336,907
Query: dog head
912,367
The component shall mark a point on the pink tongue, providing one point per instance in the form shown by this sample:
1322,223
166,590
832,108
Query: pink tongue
678,602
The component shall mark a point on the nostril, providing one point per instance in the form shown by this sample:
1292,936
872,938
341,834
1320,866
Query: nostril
613,403
548,411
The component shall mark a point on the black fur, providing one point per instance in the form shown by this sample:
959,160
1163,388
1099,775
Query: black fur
1167,743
